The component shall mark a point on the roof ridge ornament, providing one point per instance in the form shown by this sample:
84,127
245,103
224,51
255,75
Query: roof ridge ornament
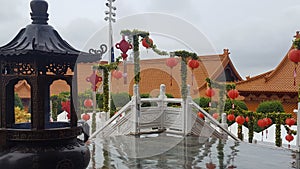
297,35
226,52
39,13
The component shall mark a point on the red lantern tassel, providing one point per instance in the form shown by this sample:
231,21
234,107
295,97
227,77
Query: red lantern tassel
295,75
171,77
192,77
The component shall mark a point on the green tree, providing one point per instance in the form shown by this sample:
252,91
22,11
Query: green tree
202,101
237,103
18,102
269,107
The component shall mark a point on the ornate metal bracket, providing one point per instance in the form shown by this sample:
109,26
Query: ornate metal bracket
102,49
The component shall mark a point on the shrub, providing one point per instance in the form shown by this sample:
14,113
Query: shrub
237,103
120,99
269,107
21,116
202,101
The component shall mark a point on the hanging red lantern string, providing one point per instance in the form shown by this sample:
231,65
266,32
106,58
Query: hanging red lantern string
193,64
124,46
233,94
171,62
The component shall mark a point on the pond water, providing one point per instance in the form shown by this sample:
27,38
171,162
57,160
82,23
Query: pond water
169,151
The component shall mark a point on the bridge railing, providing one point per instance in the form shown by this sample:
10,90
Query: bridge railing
161,116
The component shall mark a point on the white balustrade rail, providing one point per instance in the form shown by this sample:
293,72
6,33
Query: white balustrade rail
180,119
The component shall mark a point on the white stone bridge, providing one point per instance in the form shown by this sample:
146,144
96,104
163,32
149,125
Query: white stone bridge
160,117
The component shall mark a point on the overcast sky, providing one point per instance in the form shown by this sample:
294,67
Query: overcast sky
258,33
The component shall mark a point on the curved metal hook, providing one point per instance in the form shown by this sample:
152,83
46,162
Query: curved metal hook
101,51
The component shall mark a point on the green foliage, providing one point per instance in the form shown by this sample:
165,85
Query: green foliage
237,104
120,99
270,106
145,104
18,102
169,95
56,103
296,43
202,101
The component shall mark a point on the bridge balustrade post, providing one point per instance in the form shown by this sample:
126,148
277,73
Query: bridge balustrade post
225,125
136,108
187,112
162,105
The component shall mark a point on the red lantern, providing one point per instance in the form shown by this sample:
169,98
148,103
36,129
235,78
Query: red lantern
290,121
247,119
65,106
268,121
294,55
124,46
201,115
88,103
171,62
240,120
216,115
261,123
233,93
86,117
147,42
117,74
289,137
230,117
210,165
193,64
209,92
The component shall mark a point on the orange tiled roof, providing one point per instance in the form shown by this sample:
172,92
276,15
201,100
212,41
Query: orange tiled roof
280,79
215,65
155,72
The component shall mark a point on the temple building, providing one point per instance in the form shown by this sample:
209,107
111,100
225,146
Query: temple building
277,84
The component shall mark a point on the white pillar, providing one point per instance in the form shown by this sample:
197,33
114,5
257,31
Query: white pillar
162,105
187,113
225,125
136,108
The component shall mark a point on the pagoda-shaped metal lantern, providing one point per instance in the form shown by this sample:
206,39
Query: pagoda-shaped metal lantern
40,56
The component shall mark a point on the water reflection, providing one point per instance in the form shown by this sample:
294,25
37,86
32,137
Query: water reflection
188,152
